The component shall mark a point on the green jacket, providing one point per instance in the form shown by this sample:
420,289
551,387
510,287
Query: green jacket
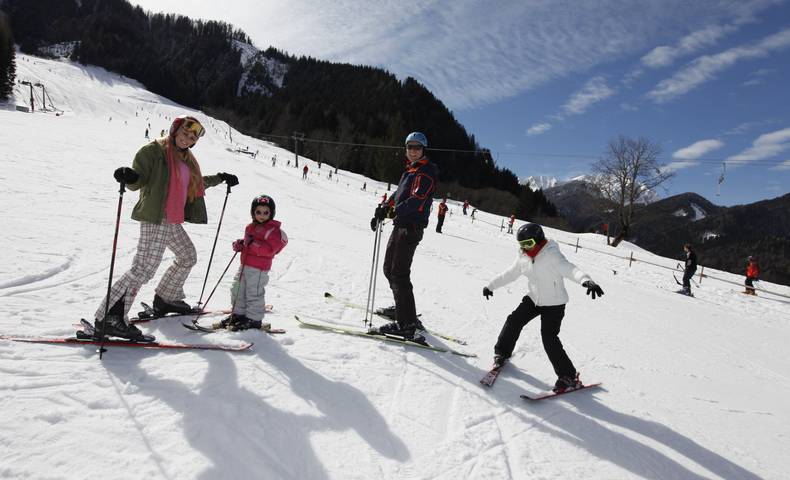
151,164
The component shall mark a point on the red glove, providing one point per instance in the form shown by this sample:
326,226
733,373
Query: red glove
238,245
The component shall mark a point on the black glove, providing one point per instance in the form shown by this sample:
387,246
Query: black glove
125,175
229,178
381,212
374,224
487,293
593,289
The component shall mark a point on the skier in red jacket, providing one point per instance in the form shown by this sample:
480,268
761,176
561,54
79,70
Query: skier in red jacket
442,212
752,274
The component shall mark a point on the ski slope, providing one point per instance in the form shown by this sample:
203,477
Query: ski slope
693,388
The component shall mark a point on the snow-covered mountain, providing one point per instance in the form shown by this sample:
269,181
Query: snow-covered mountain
262,73
692,387
539,182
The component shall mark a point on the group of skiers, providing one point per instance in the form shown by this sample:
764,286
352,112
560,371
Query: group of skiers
690,267
171,192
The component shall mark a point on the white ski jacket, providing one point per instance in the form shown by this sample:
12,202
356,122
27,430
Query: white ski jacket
545,285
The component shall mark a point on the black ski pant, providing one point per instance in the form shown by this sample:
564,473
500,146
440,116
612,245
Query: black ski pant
687,278
550,322
397,268
439,224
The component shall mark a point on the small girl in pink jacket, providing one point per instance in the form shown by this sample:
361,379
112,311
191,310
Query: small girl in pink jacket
263,239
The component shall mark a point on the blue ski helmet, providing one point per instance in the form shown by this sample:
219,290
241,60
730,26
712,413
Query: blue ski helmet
417,137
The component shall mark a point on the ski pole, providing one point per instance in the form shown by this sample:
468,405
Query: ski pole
197,316
369,305
213,247
112,268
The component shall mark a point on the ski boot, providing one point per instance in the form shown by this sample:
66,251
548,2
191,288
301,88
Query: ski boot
499,361
241,322
407,332
115,326
162,307
388,312
567,382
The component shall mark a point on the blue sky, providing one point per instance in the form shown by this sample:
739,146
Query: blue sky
546,84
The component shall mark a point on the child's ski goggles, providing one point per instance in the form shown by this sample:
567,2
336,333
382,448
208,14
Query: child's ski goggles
528,243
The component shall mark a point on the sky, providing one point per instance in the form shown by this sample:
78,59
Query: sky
545,85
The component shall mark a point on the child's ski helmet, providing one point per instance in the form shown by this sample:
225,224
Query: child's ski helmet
263,200
530,230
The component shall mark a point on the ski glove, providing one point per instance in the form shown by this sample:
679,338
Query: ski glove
374,223
487,293
381,212
592,289
125,175
238,245
229,178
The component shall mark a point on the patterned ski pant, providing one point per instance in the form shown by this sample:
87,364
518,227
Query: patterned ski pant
249,291
154,238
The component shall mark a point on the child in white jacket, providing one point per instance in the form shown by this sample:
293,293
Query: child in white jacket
543,264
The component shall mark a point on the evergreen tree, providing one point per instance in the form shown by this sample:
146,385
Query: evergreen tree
7,58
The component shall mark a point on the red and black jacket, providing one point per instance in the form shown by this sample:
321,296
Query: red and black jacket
414,196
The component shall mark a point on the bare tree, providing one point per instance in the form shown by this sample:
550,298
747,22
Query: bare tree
629,169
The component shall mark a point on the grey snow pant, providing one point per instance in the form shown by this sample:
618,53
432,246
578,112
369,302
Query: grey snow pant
249,290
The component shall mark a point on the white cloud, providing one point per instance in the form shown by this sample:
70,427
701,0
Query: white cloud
706,67
466,52
538,129
666,55
697,149
594,91
782,166
766,146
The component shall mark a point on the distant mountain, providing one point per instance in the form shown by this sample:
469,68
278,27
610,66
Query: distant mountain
539,182
724,236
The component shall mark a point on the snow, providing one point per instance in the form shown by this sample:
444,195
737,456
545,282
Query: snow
680,213
692,387
699,213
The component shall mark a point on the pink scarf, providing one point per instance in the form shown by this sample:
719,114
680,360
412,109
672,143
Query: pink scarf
178,186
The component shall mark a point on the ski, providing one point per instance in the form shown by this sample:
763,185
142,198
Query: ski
200,328
378,336
148,313
378,314
84,339
554,394
490,377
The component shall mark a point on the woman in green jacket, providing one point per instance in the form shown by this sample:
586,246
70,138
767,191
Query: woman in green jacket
171,193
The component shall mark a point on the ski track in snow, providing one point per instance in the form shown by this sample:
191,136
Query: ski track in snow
693,388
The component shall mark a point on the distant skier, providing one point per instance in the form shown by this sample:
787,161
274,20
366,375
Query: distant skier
440,215
146,133
752,275
689,269
541,261
510,223
263,239
411,202
466,205
474,210
171,193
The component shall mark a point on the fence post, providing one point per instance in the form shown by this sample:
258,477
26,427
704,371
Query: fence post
700,275
577,245
632,258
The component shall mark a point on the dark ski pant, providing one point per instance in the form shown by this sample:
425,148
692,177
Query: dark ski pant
397,268
439,224
687,279
550,322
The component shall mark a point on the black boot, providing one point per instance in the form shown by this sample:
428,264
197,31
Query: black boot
113,325
393,328
162,307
